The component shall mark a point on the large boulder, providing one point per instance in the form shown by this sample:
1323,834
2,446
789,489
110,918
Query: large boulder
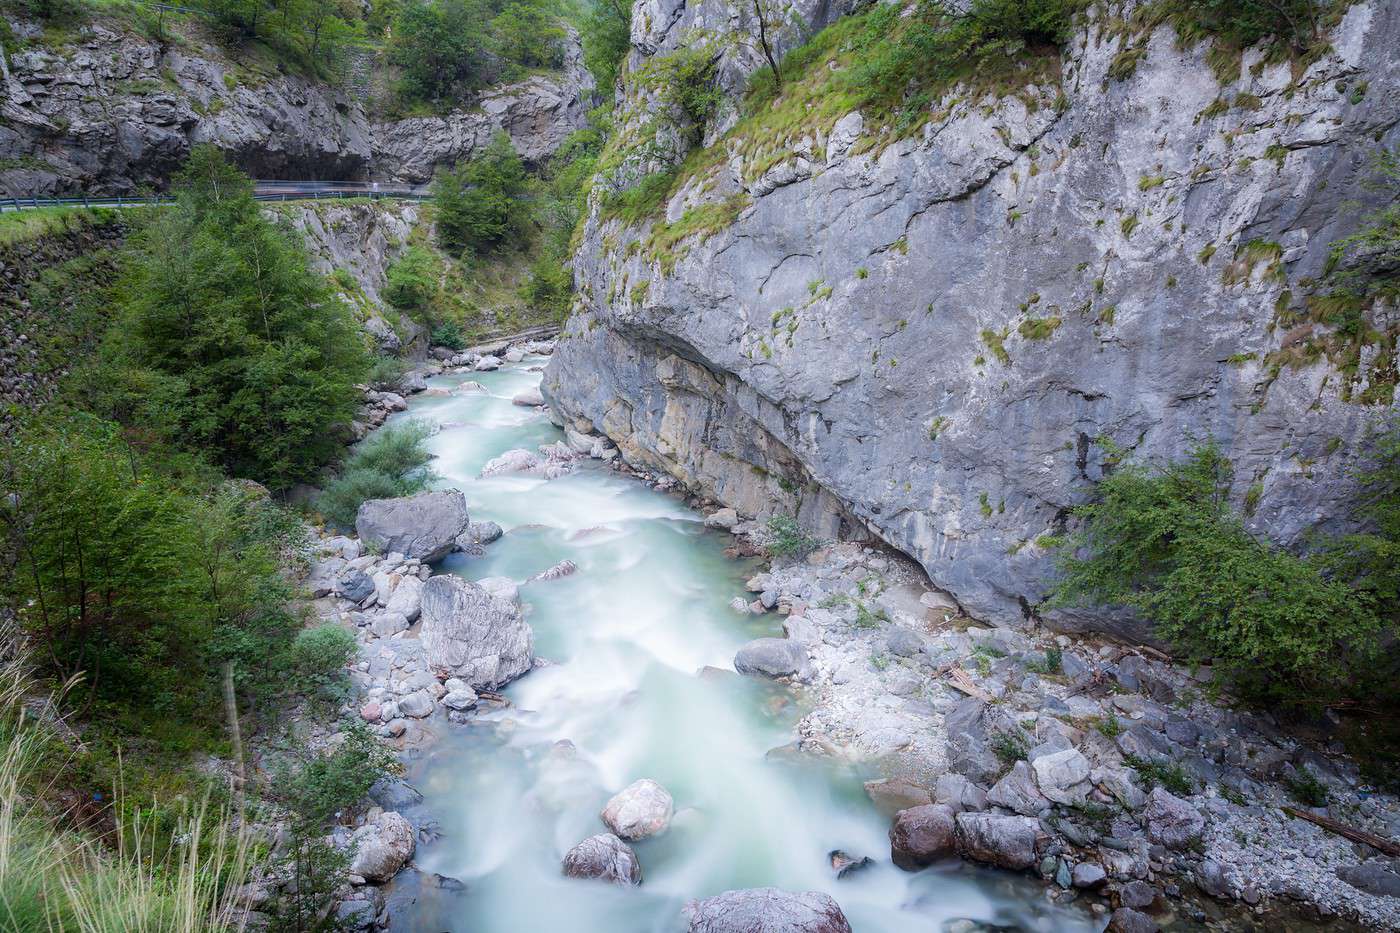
922,835
641,809
766,910
470,634
1063,776
772,657
382,847
1006,841
604,857
424,527
1171,821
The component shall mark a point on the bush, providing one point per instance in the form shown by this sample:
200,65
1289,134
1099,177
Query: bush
478,205
440,49
226,341
685,82
549,289
1167,543
385,372
607,35
529,34
391,463
787,539
449,335
1295,24
319,656
334,783
410,283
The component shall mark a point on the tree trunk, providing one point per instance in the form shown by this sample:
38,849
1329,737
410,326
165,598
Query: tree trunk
235,733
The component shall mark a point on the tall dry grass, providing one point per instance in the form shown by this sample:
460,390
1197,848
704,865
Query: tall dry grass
56,879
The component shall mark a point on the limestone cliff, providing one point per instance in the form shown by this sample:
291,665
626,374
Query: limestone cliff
114,112
923,338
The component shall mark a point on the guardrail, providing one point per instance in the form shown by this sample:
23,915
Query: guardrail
263,191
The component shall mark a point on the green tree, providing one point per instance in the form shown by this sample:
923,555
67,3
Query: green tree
479,206
1167,544
227,341
441,49
411,284
527,33
606,32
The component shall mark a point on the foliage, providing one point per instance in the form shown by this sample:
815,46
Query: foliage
449,335
1370,557
787,539
385,372
1167,543
226,341
1294,24
393,462
331,784
549,288
937,45
606,31
1168,775
319,655
1367,263
1306,788
1052,663
478,208
684,81
140,580
1008,748
316,870
410,283
448,49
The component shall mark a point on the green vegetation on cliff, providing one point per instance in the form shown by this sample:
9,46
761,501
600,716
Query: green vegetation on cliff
1298,631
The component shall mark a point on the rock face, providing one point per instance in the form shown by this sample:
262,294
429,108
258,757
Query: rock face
604,857
641,809
921,836
424,527
766,910
987,301
113,112
470,634
382,847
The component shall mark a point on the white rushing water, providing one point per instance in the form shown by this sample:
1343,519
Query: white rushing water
626,638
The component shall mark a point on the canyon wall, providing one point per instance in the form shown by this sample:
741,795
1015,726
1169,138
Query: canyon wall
927,339
113,112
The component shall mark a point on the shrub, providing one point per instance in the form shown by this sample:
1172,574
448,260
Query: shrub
1294,24
410,283
331,784
1167,543
549,288
391,463
1168,775
319,656
1306,788
440,49
529,34
684,80
385,372
449,335
787,539
606,31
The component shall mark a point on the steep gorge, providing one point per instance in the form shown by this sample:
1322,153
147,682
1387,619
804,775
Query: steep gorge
927,338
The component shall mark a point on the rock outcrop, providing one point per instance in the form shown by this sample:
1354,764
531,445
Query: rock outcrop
113,112
469,634
926,341
424,527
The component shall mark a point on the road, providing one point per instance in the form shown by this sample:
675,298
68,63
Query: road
263,190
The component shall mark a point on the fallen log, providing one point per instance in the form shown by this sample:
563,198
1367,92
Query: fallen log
1347,832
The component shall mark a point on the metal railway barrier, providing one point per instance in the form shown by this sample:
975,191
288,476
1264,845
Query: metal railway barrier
263,191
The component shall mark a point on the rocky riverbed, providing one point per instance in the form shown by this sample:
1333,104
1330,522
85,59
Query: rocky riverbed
1119,779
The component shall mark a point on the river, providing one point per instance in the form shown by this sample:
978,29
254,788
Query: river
626,639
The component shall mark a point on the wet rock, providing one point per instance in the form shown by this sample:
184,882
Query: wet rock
512,461
771,657
845,864
922,835
487,364
765,910
1017,791
1171,821
382,847
604,857
1006,841
503,588
1127,920
459,700
724,518
416,705
480,533
891,795
424,527
528,398
391,793
639,810
560,570
470,634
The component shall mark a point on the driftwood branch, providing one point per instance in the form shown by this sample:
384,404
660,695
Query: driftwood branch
1347,832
